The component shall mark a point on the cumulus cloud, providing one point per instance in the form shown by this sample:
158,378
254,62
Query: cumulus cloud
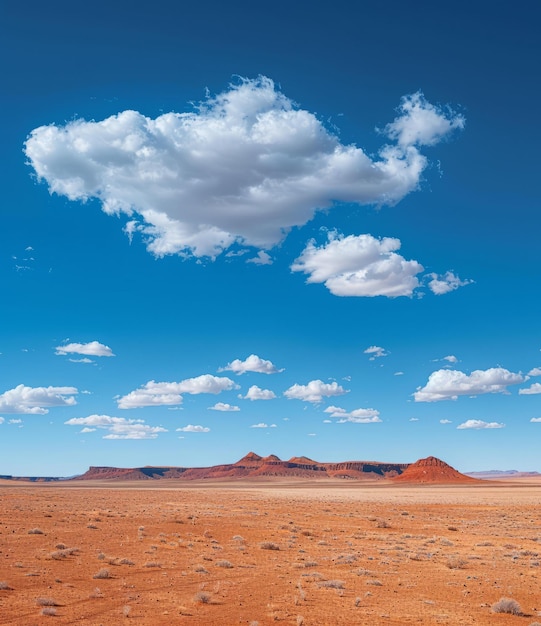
117,427
536,371
451,358
448,384
446,422
533,389
314,391
223,406
256,393
535,419
446,283
357,416
192,428
159,394
479,425
245,166
36,400
375,352
252,364
93,348
359,265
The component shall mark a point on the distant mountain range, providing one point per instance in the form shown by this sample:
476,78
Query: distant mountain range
429,470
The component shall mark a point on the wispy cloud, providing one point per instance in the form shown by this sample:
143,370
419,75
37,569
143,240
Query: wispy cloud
245,166
117,427
479,425
375,352
440,285
447,384
357,416
93,348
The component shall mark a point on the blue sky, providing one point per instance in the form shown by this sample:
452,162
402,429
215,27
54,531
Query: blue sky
300,229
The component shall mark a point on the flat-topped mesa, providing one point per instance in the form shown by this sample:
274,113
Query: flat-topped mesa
432,470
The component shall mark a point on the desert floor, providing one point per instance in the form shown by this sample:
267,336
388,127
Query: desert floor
264,553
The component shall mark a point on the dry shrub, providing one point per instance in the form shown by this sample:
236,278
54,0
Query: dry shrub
507,605
103,573
46,602
269,545
224,563
202,597
455,562
35,531
4,586
50,611
332,584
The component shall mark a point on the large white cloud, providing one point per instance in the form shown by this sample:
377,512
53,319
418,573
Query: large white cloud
533,389
158,394
448,384
357,416
359,265
479,425
93,348
244,166
256,393
117,427
36,400
253,363
314,391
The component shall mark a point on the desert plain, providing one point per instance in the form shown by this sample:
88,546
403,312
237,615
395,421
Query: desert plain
262,552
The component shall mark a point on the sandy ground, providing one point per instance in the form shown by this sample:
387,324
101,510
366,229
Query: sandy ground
325,553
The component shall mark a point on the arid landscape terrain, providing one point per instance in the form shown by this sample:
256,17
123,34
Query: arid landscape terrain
270,550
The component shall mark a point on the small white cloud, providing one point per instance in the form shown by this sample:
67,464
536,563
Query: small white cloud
479,425
359,266
83,360
375,352
36,400
398,374
422,123
440,285
262,258
2,420
414,419
117,427
260,425
223,406
536,371
314,391
357,416
536,420
446,422
533,389
251,364
93,348
256,393
165,393
192,428
244,167
447,384
312,435
17,421
450,358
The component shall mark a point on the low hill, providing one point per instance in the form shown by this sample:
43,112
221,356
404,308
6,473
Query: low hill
432,470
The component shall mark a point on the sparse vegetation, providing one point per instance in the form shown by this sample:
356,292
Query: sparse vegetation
269,545
49,611
202,597
507,605
46,602
35,531
102,574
